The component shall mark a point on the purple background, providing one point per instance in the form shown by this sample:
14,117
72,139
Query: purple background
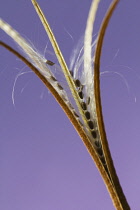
43,162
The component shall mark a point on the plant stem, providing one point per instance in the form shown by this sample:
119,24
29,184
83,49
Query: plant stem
115,180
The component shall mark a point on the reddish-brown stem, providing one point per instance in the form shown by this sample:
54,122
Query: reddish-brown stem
101,126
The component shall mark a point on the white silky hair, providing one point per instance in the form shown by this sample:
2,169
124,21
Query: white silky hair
85,76
82,59
39,62
37,59
33,55
21,73
88,52
77,65
82,65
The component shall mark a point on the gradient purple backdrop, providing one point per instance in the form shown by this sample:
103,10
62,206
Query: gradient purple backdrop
43,162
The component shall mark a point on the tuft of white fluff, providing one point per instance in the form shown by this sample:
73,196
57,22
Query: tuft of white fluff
34,56
77,65
89,48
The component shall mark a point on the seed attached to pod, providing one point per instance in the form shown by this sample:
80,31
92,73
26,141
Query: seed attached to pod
81,95
75,114
90,124
59,86
97,144
88,101
103,160
94,134
87,114
77,82
71,72
69,104
50,62
53,78
100,151
83,105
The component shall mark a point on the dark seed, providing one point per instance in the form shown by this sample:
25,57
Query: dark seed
83,105
88,100
97,143
90,124
100,151
105,166
71,72
81,87
59,86
50,62
75,114
81,95
69,104
77,83
94,134
103,159
87,114
53,78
